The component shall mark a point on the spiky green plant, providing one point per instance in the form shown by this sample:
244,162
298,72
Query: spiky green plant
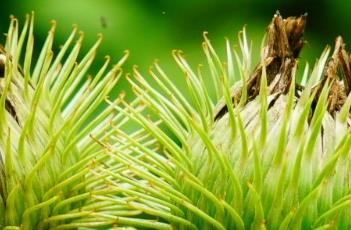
271,153
53,169
265,153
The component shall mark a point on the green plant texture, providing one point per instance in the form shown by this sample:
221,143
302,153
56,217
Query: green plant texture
241,149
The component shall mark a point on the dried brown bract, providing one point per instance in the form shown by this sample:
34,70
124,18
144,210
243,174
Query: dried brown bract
279,56
337,73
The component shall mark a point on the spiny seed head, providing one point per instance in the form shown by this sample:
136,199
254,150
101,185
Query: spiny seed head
51,170
266,152
271,153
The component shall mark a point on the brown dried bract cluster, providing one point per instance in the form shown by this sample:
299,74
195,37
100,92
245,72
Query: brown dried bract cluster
279,57
337,74
283,45
284,36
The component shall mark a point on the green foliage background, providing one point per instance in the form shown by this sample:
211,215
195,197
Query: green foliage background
151,29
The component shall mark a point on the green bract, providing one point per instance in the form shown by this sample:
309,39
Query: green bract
267,152
271,154
53,174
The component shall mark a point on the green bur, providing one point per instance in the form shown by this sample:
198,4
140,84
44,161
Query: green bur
49,149
266,152
270,154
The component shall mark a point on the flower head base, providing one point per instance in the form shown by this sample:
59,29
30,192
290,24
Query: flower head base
271,154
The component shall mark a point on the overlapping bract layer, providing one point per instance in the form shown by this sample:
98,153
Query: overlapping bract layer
50,155
279,159
265,153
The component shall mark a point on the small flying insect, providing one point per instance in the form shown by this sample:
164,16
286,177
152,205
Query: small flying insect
103,22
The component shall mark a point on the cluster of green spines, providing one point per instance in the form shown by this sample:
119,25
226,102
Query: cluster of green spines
258,166
55,170
278,167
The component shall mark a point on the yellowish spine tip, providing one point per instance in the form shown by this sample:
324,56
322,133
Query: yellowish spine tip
151,67
27,17
205,34
100,37
121,95
90,78
126,52
53,26
107,58
53,22
122,60
174,53
81,36
15,22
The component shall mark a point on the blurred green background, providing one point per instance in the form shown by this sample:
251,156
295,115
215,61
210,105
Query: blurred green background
151,29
